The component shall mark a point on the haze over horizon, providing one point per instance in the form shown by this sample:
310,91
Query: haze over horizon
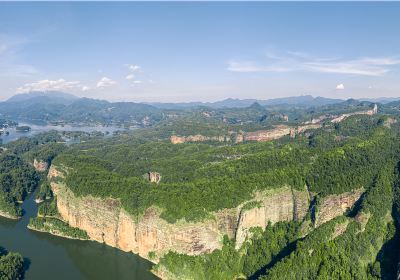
182,52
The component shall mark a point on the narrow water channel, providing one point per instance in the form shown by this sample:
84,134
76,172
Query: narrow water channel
52,257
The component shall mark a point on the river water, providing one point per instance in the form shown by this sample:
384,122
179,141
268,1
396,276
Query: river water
50,257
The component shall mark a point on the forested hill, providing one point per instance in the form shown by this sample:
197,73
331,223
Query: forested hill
330,161
198,179
62,108
326,197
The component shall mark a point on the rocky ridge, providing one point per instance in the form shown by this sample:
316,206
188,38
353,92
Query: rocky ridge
277,132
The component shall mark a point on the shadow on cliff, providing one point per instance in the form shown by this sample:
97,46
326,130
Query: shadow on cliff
282,254
389,256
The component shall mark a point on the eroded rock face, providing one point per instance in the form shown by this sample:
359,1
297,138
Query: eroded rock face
389,122
177,139
106,221
40,165
154,177
197,138
278,205
342,117
333,206
267,135
277,132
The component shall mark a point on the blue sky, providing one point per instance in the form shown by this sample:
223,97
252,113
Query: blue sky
172,52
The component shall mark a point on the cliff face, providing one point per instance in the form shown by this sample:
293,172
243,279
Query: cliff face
197,138
336,205
342,117
277,205
106,221
267,135
277,132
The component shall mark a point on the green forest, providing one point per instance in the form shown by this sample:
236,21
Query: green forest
199,179
11,265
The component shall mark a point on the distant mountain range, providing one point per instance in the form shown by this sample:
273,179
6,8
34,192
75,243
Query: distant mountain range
44,107
304,100
383,100
43,97
62,107
56,97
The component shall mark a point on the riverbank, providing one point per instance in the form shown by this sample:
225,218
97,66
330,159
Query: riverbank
9,216
54,233
57,227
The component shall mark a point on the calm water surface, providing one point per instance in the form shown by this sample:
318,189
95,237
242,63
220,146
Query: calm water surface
53,257
35,129
50,257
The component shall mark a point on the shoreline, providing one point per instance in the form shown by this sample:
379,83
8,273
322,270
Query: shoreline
155,273
9,216
56,234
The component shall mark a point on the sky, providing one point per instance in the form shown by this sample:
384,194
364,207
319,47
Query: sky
200,51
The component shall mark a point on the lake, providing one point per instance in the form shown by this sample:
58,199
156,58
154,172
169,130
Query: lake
51,257
35,129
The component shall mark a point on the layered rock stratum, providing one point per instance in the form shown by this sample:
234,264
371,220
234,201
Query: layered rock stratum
106,221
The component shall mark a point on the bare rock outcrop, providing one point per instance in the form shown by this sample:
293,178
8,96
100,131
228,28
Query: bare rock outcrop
342,117
198,138
389,122
154,177
283,204
267,135
277,132
336,205
40,165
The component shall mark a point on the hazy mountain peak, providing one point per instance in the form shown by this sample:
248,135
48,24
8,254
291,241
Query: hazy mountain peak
50,95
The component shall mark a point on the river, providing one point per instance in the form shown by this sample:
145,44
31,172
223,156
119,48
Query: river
50,257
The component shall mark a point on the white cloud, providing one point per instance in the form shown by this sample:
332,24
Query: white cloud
137,82
48,85
249,67
85,88
130,77
357,67
105,82
340,87
297,61
134,67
